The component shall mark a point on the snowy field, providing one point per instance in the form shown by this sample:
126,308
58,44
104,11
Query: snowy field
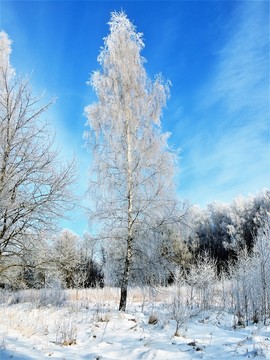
86,324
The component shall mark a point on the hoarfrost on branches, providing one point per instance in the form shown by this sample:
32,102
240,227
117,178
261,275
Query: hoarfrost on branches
133,165
35,185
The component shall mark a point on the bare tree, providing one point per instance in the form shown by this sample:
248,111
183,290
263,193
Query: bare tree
133,165
34,183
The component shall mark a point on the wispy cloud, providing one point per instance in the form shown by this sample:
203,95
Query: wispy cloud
230,153
242,74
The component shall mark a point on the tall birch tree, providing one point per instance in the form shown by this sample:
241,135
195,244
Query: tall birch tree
133,166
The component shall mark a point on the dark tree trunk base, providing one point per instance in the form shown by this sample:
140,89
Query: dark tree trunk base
123,299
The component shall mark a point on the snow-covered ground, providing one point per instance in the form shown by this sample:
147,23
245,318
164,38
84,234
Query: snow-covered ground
88,326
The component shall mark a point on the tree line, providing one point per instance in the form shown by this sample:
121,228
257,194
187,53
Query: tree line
217,233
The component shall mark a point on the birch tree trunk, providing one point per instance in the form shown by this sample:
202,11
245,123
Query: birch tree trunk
125,279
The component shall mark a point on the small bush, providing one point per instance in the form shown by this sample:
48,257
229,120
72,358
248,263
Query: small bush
66,333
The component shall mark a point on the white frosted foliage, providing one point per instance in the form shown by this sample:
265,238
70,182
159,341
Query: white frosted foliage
35,187
133,166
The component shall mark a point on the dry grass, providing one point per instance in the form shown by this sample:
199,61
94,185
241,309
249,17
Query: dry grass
109,296
94,295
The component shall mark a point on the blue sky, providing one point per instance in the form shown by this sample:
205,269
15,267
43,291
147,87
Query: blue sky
215,53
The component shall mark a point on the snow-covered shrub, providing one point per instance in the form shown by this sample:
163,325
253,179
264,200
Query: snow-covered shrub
251,280
242,280
55,297
261,263
66,330
179,307
201,278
